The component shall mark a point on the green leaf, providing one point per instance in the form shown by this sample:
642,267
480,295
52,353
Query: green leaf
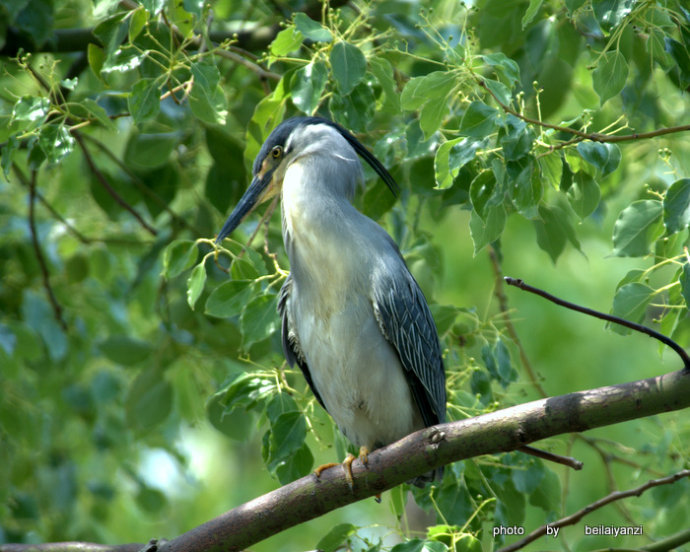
451,156
583,194
637,227
279,404
259,319
528,480
144,100
412,545
610,75
356,109
553,230
312,29
195,284
137,21
431,116
484,231
482,190
151,500
551,167
630,303
96,112
56,142
149,151
336,537
546,495
234,422
604,157
32,110
207,99
505,67
309,84
286,41
430,88
610,13
297,465
149,401
677,206
515,138
125,350
229,298
500,90
467,543
112,32
383,71
531,12
287,435
524,186
96,56
348,64
681,56
178,256
479,120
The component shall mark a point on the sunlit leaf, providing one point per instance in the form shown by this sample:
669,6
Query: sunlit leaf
637,226
677,206
178,256
312,29
610,75
195,284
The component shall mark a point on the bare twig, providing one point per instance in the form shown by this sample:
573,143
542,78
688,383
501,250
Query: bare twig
551,457
141,185
577,516
593,136
603,316
104,182
57,308
503,306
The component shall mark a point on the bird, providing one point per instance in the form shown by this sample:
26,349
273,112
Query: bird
354,319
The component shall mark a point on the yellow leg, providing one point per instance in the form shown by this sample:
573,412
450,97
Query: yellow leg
347,466
322,467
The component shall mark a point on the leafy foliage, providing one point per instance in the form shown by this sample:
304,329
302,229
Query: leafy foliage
528,126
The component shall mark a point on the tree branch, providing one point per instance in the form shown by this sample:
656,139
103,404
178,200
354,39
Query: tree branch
57,308
104,182
421,452
603,316
579,135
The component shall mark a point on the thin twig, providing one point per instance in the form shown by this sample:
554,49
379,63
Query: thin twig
577,516
512,332
57,308
551,457
141,185
104,182
593,136
603,316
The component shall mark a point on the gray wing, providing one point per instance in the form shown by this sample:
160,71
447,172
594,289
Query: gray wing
406,322
291,347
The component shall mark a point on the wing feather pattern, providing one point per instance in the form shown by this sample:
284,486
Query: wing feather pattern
406,322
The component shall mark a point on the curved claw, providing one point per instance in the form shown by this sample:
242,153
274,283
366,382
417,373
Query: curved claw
347,466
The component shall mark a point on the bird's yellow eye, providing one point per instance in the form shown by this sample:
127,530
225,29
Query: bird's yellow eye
276,152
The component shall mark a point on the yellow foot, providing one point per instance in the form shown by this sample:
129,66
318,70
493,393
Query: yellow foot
322,467
347,465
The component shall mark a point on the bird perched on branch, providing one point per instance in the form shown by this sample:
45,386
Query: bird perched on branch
353,317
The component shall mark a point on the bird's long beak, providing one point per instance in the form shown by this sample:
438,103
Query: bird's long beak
258,192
